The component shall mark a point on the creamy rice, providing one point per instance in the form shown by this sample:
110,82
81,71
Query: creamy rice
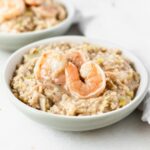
31,19
122,82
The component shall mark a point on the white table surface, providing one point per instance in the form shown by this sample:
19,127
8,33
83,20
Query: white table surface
17,132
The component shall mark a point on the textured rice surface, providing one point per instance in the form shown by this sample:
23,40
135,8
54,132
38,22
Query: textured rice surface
122,82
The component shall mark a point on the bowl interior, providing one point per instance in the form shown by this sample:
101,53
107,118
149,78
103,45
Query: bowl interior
17,56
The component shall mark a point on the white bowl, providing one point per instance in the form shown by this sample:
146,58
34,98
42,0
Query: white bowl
72,123
13,41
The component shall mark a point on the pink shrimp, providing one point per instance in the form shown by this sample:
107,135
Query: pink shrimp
11,8
51,66
34,2
45,11
77,57
94,80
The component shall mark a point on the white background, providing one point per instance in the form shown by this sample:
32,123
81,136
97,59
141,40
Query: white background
17,132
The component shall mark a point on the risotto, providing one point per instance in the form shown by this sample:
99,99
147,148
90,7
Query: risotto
75,79
27,16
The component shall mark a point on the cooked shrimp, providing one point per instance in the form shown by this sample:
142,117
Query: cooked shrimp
1,3
77,57
61,12
34,2
11,9
60,79
45,11
94,80
51,66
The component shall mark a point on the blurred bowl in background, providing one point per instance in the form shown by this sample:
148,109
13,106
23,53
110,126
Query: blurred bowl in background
13,41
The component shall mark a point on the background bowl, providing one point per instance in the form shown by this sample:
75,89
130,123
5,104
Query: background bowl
72,123
13,41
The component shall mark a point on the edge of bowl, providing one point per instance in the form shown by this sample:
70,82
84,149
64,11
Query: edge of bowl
138,97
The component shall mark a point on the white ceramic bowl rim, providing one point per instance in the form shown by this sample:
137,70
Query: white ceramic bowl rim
140,93
70,10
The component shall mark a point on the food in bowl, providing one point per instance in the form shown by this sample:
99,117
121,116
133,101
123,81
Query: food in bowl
17,16
75,79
